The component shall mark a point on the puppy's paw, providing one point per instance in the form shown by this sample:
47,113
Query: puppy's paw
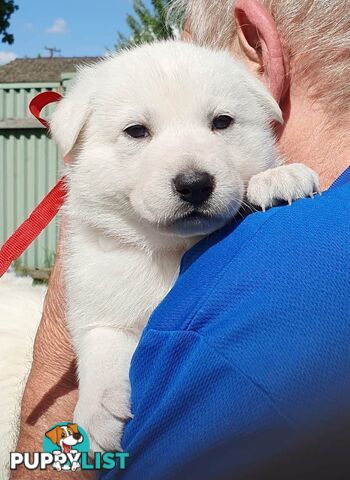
104,420
282,184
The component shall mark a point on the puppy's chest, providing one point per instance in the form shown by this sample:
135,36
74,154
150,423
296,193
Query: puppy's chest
119,287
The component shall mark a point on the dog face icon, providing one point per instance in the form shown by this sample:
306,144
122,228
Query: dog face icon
65,437
67,442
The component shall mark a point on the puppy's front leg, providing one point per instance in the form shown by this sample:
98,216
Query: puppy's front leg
282,184
104,356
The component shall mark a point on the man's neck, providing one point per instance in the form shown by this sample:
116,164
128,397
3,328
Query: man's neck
318,139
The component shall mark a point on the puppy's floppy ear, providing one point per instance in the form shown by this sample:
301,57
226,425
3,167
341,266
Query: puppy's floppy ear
71,113
264,98
52,435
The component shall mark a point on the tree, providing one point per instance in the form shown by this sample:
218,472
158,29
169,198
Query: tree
7,8
147,26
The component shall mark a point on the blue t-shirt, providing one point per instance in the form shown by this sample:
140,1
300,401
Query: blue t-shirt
250,349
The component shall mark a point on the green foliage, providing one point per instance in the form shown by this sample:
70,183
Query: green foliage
146,26
7,8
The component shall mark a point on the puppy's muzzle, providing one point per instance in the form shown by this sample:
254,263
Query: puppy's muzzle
194,187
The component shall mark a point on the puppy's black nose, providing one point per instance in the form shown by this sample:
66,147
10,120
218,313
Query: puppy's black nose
194,187
76,436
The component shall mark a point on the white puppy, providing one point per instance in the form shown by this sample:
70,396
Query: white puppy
166,141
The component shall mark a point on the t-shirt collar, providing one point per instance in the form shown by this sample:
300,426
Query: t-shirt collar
343,179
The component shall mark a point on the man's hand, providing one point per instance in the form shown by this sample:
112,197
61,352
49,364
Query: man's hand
51,391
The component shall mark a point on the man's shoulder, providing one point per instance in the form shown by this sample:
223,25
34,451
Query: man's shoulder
321,215
317,224
296,260
318,216
283,246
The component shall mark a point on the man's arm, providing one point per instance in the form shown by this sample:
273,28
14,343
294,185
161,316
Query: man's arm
51,391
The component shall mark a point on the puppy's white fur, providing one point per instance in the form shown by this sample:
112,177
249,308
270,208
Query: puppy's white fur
128,228
20,313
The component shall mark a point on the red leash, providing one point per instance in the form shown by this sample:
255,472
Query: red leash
47,208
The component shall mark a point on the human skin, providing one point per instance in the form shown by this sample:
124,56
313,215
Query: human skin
311,134
51,391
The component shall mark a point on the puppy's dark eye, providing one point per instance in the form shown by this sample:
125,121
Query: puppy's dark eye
222,122
137,131
63,434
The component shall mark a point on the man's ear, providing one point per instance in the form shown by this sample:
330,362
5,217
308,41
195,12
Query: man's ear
52,435
70,116
260,44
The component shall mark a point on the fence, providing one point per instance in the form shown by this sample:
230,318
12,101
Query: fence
29,167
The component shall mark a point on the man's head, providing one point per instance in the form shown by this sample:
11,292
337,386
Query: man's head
300,49
315,36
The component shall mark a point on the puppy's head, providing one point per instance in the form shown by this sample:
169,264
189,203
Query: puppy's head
164,137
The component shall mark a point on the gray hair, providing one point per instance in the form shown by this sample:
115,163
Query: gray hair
315,33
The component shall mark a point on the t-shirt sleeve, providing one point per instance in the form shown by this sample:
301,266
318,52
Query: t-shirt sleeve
191,404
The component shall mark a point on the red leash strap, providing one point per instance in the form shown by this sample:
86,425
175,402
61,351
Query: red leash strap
33,226
40,101
47,208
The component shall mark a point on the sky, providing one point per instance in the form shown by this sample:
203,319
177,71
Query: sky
76,27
